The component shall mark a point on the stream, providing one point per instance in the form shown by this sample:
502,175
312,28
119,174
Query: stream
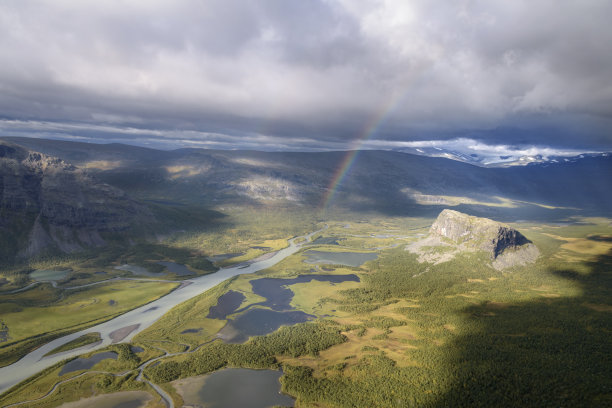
123,328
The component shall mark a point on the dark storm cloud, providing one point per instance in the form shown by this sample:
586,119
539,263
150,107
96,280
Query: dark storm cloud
309,74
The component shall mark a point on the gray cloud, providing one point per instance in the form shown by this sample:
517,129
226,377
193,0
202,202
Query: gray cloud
324,71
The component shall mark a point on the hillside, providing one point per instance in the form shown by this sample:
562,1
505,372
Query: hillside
49,204
387,182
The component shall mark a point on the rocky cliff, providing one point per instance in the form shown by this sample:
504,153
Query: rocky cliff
480,233
461,232
46,203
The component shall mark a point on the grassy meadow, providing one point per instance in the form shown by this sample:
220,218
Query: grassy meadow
457,333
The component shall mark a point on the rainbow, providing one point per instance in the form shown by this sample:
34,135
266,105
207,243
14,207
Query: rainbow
368,131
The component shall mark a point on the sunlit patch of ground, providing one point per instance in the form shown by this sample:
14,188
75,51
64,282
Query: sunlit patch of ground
186,170
308,297
585,248
598,307
103,164
452,201
350,352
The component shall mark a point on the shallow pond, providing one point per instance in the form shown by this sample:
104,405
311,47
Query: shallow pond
137,270
227,304
176,268
127,399
325,241
257,322
278,295
235,387
86,363
45,275
339,258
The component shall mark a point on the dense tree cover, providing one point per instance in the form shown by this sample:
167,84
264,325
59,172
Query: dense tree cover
113,383
259,352
504,348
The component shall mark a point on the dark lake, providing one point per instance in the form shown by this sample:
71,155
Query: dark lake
227,304
339,258
86,363
259,321
325,241
176,268
278,295
240,387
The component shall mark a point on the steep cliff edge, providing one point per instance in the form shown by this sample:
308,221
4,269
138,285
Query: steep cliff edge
461,232
48,204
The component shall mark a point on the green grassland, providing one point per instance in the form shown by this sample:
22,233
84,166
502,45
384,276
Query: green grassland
459,333
42,313
107,376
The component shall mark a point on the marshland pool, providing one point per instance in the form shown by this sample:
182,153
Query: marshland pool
235,387
339,258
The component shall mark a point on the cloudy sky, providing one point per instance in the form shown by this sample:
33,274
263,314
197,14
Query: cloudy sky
318,74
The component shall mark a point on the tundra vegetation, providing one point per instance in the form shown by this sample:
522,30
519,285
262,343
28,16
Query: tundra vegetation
410,333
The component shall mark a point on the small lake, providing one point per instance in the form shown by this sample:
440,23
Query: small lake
176,268
326,241
278,295
126,399
339,258
227,304
235,387
45,275
86,363
137,270
257,322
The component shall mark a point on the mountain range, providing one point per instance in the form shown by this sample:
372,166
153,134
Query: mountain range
68,195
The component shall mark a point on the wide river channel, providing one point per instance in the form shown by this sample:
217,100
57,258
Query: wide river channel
139,318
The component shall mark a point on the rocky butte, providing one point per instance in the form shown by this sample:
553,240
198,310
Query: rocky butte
460,232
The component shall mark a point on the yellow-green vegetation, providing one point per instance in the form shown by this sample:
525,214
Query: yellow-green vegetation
244,228
458,333
84,340
107,376
268,245
317,298
40,314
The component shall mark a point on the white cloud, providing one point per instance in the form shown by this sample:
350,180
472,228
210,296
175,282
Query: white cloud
322,69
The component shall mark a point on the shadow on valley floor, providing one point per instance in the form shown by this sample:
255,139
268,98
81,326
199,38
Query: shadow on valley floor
553,352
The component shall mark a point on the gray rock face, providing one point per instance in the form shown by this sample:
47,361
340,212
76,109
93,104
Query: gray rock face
454,233
476,232
46,202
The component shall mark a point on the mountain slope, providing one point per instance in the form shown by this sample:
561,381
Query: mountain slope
383,181
48,204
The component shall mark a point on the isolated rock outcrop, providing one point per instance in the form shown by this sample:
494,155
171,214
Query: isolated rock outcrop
480,233
460,232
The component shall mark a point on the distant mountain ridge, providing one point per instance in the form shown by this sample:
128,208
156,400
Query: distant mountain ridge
499,160
392,182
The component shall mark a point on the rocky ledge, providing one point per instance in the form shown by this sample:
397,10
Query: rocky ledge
461,232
